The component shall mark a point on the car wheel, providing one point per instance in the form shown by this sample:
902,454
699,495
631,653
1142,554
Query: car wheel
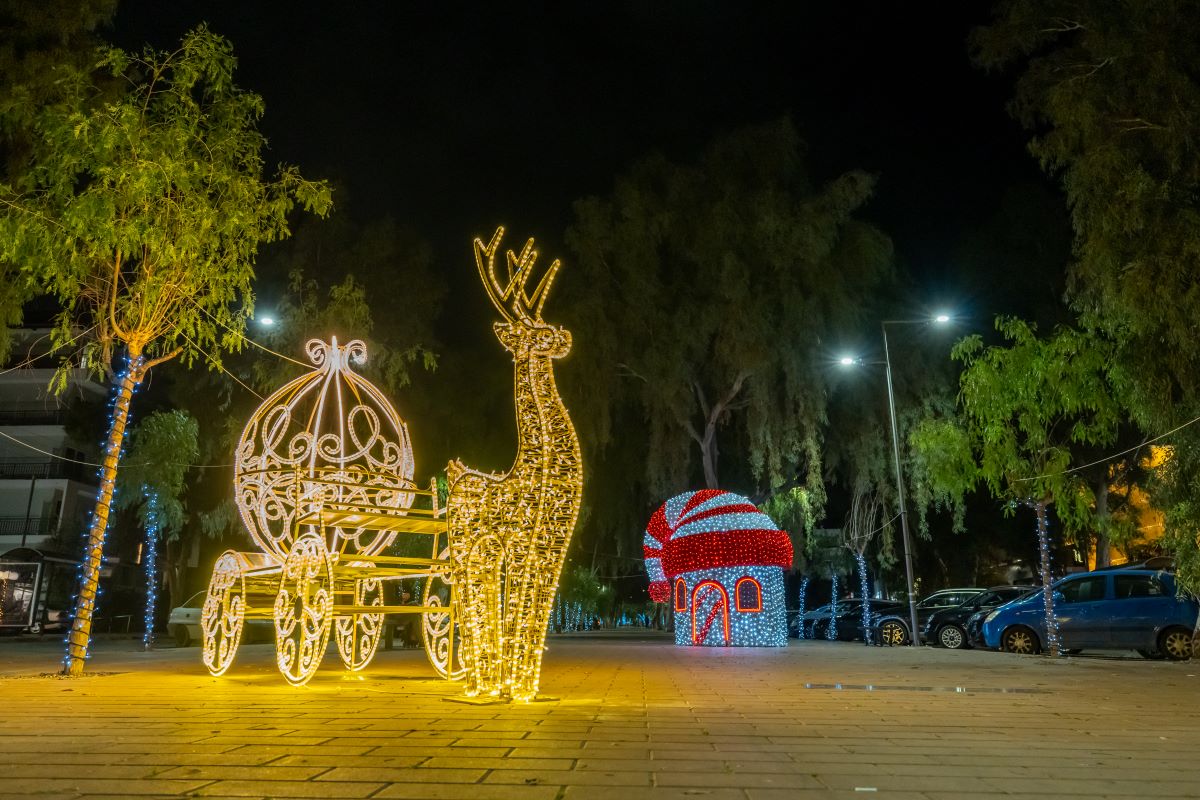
1019,639
1176,644
893,633
952,637
182,637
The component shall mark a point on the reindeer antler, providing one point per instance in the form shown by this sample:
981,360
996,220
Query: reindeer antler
511,299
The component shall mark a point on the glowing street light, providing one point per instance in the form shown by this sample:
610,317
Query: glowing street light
940,319
266,321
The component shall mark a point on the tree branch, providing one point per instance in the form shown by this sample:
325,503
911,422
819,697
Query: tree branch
154,362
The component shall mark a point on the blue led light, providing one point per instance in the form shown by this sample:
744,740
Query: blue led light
801,633
151,562
712,595
107,485
831,630
865,589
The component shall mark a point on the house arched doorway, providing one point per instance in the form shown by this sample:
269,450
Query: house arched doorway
710,613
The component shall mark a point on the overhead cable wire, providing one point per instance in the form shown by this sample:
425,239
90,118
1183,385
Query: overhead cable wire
32,359
221,367
242,334
1109,457
58,457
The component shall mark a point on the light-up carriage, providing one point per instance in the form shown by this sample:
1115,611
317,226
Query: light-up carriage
323,479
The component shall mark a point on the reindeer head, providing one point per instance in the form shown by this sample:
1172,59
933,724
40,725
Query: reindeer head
523,332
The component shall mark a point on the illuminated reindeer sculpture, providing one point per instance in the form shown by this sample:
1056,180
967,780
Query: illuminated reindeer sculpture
509,532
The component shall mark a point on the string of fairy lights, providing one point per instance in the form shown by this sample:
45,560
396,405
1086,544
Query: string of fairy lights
86,598
509,532
726,560
831,631
1051,622
150,562
864,584
802,605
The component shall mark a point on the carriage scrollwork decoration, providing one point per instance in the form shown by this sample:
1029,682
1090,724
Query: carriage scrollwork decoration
323,481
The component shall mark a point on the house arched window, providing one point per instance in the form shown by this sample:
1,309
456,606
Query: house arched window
749,594
680,595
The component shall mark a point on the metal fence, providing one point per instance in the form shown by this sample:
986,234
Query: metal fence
45,468
33,526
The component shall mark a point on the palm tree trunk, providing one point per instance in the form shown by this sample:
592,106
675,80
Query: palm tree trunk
85,605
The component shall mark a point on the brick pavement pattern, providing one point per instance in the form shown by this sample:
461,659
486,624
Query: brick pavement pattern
634,718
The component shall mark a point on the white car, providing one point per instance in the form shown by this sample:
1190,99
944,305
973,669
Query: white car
184,623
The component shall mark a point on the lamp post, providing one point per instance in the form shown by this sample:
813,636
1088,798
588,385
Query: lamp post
914,631
940,319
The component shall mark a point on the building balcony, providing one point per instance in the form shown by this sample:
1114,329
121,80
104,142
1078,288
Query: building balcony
32,416
27,469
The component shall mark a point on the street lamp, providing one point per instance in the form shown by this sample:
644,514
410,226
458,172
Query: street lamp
266,321
939,319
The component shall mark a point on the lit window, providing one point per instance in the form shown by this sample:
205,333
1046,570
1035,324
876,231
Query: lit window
749,595
680,595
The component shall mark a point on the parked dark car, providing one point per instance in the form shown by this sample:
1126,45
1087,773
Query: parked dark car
948,626
849,619
893,627
1126,609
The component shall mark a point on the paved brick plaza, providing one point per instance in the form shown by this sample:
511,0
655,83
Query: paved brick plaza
634,718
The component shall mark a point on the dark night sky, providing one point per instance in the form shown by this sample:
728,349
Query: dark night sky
453,117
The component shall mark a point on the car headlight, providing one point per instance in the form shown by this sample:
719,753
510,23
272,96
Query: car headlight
991,616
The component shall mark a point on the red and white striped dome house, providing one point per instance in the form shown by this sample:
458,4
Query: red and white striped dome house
719,561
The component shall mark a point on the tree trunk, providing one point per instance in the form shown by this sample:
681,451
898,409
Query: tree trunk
831,628
1102,557
85,606
708,455
800,634
865,588
1043,530
152,573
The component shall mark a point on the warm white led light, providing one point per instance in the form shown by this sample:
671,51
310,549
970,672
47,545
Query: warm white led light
509,532
323,482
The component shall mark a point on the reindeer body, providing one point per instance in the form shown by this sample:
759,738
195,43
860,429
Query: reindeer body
509,532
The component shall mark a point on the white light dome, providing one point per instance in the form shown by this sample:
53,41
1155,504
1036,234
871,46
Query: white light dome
327,439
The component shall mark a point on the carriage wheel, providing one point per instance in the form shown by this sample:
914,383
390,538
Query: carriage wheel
358,634
223,617
303,609
436,628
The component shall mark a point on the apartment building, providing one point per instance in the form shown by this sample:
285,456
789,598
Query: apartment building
45,496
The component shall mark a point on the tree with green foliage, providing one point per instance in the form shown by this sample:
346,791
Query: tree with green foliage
152,482
342,279
701,296
142,215
1022,408
36,37
1109,91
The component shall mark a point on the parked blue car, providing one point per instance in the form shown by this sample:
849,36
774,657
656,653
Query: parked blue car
1131,609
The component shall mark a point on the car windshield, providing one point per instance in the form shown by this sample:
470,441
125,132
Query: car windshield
946,599
196,600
